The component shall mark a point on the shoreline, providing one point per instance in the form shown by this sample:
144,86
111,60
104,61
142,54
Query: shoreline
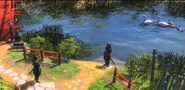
118,63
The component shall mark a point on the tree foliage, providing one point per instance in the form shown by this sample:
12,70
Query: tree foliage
69,47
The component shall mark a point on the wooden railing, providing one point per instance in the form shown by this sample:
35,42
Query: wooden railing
42,54
15,87
128,81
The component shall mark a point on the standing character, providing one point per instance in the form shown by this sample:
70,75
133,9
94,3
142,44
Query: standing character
107,55
36,69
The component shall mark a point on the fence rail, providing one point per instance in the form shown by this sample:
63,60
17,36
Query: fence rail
15,87
42,54
128,81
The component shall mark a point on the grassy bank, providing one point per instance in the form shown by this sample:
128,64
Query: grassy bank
104,83
50,68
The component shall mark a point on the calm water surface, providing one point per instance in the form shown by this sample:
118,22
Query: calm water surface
125,37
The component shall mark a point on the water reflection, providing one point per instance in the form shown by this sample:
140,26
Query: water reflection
126,36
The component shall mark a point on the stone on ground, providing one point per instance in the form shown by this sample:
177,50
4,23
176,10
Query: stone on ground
23,76
39,88
75,88
21,81
1,66
2,70
16,78
48,85
13,74
8,71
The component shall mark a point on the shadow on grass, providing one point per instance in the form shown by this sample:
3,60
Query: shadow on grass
100,67
26,85
110,86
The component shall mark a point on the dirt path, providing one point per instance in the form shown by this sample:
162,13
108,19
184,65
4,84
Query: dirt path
88,73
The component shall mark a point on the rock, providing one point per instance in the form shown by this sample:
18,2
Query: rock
13,74
78,80
48,85
48,89
16,78
39,88
1,66
75,88
8,71
69,86
65,84
73,81
82,87
21,81
32,88
2,70
23,76
76,83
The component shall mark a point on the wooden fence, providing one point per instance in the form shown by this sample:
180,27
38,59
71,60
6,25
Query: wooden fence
42,54
168,77
128,81
15,87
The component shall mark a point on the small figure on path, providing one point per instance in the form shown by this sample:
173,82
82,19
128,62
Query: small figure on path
107,55
36,69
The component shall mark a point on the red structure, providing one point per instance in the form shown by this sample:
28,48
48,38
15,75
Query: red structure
7,16
129,81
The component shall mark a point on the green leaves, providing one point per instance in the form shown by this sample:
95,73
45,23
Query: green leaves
69,47
76,21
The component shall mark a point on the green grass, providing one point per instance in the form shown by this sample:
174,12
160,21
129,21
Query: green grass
103,83
101,24
77,21
16,55
66,70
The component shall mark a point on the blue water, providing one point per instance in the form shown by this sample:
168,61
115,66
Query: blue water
126,38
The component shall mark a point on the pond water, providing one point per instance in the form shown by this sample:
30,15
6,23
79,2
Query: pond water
124,36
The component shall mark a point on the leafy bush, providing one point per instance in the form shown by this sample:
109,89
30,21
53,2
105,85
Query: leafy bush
69,47
139,68
52,38
77,21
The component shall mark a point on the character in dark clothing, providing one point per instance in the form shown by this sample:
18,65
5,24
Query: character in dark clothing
36,69
107,55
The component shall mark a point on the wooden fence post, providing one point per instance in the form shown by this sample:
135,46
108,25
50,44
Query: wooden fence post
114,76
24,50
129,83
41,54
59,57
16,88
153,67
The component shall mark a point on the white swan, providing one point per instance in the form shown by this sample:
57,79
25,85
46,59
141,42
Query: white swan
179,29
146,22
170,22
163,24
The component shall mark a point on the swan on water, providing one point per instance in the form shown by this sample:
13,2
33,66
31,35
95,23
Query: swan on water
146,22
163,24
179,29
170,22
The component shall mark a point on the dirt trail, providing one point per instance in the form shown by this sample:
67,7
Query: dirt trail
88,73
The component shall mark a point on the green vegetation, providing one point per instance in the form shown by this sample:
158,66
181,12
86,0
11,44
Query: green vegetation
104,82
50,68
65,71
77,21
46,38
101,24
139,68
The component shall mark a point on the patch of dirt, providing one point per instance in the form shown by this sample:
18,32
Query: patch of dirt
88,71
